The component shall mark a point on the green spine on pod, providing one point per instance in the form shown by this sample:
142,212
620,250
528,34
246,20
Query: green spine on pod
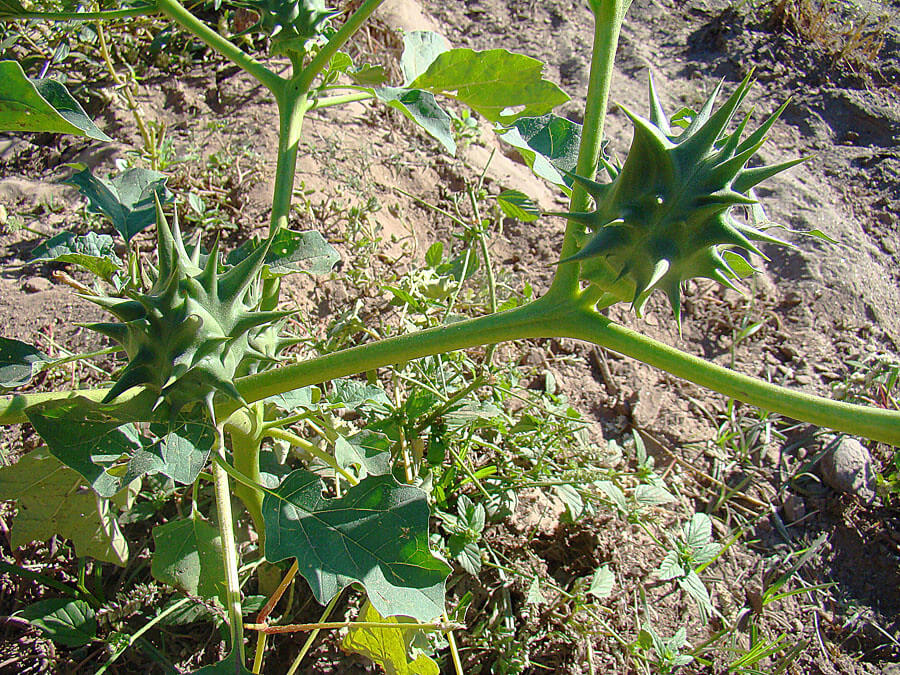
666,214
195,329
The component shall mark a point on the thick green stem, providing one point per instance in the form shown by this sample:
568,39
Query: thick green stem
875,423
608,17
175,11
543,318
292,106
245,427
531,321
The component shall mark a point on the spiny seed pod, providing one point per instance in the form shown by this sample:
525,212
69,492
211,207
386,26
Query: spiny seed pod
666,216
195,329
287,21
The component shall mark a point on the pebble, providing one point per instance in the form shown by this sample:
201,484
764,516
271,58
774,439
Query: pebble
794,508
37,284
847,467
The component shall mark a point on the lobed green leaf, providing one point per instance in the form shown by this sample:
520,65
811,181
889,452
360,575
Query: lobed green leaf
389,647
493,83
127,200
376,534
85,436
548,144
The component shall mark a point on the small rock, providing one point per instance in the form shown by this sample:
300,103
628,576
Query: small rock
794,508
534,357
803,379
847,467
37,284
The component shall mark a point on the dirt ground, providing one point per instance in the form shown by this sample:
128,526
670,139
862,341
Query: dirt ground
821,305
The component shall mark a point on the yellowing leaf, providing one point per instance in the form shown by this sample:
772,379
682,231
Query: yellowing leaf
389,647
53,499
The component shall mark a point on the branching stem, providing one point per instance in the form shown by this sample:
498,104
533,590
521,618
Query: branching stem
176,11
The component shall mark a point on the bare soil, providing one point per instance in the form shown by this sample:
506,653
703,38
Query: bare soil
822,305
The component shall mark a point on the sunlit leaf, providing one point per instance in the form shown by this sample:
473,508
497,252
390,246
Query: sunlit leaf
376,534
368,452
651,495
498,84
548,144
693,586
53,499
352,394
292,252
698,530
602,583
391,648
40,104
518,205
534,595
420,49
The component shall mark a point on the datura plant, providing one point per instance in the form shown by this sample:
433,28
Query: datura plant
206,381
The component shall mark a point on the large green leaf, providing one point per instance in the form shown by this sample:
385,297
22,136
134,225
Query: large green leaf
18,361
420,107
390,648
188,555
376,534
67,622
109,454
420,49
548,144
292,252
53,499
126,199
492,83
94,252
40,104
